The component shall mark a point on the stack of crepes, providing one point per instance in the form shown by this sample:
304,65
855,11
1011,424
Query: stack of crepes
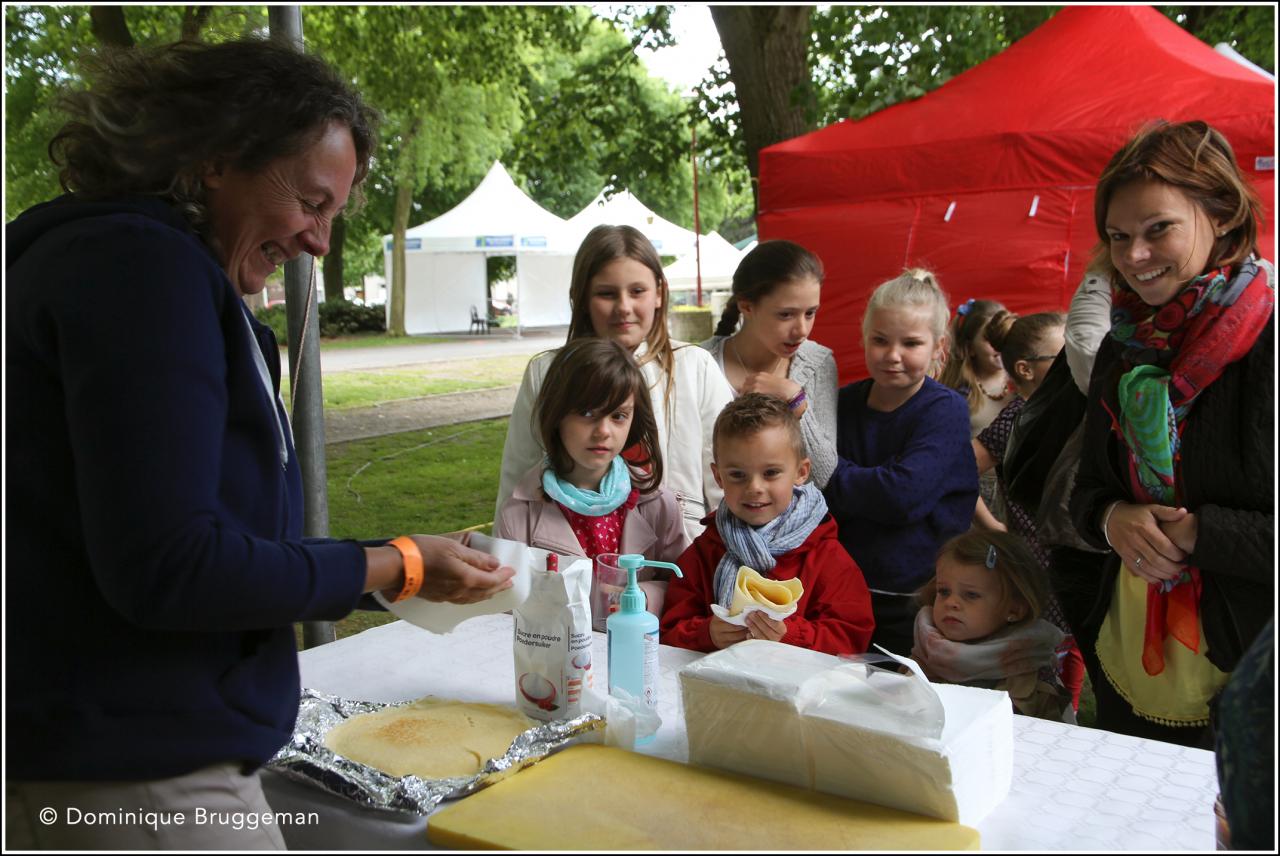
753,591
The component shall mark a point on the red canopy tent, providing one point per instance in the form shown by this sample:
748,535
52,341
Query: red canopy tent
988,180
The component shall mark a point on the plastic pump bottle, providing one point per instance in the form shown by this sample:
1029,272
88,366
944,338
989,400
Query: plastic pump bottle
633,635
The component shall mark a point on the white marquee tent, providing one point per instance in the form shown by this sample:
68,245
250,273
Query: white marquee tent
623,209
445,259
719,259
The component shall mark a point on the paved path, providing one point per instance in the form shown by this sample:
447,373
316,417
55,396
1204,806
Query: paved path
414,414
497,344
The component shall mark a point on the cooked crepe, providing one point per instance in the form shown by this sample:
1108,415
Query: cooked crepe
431,738
754,589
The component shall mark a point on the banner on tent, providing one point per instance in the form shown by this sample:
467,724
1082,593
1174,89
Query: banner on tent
495,241
409,243
537,241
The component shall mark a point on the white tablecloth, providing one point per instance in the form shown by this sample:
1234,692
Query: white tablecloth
1073,788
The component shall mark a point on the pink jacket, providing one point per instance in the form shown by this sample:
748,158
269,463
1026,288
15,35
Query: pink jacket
654,528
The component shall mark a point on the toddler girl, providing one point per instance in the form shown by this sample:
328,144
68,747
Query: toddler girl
584,498
979,624
905,479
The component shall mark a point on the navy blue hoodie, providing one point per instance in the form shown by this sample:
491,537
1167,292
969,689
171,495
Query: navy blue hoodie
155,560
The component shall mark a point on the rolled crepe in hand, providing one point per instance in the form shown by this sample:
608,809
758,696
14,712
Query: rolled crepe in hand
754,589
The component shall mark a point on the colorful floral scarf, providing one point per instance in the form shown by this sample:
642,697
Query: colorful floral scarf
1175,352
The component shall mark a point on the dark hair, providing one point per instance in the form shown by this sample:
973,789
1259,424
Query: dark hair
590,374
1197,160
750,414
1018,572
154,119
967,326
605,244
768,265
1019,338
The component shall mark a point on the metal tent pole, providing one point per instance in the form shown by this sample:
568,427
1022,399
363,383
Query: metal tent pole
304,364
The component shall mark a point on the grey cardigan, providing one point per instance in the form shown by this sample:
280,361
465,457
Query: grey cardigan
814,368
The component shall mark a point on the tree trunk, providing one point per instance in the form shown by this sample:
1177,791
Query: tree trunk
399,223
768,52
333,278
109,26
193,18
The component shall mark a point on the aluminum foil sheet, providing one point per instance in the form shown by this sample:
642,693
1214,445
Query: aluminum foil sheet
305,758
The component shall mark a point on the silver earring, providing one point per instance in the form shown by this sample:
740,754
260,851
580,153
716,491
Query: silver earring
1222,233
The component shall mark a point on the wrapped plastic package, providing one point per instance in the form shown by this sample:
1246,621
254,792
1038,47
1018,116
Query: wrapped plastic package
849,728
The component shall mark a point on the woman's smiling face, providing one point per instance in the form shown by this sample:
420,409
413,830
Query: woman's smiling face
1160,239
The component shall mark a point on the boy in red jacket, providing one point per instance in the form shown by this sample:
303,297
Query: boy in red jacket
773,521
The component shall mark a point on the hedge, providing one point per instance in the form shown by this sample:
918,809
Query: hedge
337,318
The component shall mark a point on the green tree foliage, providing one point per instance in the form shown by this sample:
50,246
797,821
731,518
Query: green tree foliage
44,50
1250,30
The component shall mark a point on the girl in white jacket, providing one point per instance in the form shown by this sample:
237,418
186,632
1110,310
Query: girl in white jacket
618,292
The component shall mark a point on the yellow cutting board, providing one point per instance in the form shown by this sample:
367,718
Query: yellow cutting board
598,798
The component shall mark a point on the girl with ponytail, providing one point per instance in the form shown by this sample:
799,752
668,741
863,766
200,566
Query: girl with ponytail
762,343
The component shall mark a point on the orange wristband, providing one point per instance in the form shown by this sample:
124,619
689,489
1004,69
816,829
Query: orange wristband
412,568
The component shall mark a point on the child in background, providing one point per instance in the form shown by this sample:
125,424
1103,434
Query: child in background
1027,346
905,479
584,499
774,521
776,294
973,367
979,624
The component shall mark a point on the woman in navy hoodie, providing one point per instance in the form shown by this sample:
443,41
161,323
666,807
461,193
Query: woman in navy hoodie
155,552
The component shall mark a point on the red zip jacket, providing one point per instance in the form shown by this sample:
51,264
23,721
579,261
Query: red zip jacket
833,615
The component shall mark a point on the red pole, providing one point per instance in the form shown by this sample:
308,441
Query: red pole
697,222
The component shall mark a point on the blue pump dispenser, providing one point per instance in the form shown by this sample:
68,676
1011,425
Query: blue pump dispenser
633,636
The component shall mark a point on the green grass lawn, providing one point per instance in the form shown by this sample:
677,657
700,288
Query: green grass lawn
348,389
419,482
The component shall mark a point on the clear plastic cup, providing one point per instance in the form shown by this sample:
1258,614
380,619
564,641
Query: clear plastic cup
607,584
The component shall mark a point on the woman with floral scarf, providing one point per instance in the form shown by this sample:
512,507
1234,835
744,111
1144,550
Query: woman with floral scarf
1176,474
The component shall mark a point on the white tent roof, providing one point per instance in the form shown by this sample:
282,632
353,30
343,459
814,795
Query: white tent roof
719,260
496,216
623,209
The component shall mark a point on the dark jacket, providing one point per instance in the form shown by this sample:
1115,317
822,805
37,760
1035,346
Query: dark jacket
155,562
905,482
1227,471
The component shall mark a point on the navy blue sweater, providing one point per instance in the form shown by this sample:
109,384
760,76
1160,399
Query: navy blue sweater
154,553
904,482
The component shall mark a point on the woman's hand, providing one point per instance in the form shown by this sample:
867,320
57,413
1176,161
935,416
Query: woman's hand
724,634
453,573
761,626
1183,532
770,384
1136,533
